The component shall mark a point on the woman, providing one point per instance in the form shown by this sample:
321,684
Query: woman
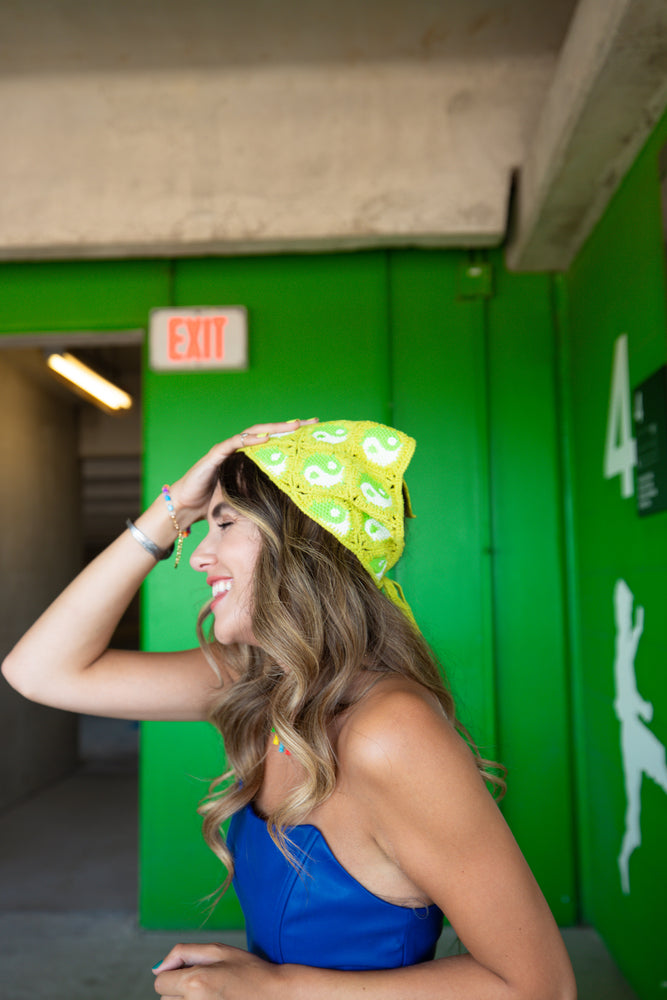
360,814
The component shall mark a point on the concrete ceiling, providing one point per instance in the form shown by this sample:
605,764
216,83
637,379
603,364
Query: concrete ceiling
158,127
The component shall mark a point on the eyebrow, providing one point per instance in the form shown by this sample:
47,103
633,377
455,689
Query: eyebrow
220,509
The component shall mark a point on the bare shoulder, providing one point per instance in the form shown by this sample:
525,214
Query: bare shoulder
399,729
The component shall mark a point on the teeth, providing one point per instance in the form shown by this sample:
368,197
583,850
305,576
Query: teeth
221,587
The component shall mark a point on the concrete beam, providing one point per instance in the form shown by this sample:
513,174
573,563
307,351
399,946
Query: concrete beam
252,126
608,92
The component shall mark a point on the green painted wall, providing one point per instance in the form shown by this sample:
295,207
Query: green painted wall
615,289
460,354
87,295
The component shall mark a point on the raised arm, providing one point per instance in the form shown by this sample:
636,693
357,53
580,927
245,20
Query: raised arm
64,660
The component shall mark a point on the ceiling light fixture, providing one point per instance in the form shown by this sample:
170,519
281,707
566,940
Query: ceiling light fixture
92,385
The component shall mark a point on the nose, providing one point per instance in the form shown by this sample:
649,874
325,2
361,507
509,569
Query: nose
202,557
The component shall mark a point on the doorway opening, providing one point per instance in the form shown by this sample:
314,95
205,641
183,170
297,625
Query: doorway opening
106,474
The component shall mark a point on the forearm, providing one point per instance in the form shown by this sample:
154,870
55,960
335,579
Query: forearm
219,971
458,977
77,627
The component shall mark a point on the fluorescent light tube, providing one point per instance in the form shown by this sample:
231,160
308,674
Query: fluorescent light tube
73,370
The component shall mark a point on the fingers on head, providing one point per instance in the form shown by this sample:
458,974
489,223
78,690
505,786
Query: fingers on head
261,430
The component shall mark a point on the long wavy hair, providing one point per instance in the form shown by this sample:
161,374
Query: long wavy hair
319,621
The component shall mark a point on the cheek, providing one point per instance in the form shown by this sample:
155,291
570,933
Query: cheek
250,588
254,549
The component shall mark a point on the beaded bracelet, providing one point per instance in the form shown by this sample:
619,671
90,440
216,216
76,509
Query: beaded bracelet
182,533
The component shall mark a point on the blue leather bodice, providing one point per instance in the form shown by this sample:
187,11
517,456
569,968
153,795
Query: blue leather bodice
319,915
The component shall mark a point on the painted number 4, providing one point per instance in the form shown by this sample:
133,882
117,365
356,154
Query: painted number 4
620,449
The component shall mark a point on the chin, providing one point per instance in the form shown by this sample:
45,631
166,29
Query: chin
229,636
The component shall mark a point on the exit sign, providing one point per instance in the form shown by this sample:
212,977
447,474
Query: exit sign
207,338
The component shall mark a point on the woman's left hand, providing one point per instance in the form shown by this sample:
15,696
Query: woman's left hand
214,972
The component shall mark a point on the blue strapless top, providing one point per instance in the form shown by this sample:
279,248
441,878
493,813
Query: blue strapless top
319,915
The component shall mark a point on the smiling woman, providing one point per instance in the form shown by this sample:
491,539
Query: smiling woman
360,808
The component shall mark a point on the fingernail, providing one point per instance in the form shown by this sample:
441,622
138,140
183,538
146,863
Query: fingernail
157,965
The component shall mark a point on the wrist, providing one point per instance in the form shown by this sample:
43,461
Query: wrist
157,524
179,511
147,543
296,982
181,532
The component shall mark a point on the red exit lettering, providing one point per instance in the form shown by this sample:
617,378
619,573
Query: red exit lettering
196,338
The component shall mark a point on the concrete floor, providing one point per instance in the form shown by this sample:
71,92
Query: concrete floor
68,876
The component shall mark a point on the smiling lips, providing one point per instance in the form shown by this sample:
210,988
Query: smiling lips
220,588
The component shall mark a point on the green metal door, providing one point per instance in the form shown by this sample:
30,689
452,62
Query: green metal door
317,335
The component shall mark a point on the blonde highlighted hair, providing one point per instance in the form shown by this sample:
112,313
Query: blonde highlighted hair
319,621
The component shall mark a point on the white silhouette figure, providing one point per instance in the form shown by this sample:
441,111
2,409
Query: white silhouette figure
642,752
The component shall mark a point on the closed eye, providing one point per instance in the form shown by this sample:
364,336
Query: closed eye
225,524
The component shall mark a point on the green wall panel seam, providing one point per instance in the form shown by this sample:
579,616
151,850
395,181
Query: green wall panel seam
492,654
565,458
389,323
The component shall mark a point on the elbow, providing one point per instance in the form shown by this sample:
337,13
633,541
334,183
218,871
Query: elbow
565,986
15,675
560,987
7,668
550,991
547,982
568,989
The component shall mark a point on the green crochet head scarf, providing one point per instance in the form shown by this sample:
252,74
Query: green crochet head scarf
347,475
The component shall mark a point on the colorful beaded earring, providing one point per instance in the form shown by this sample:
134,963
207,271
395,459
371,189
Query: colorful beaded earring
277,743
